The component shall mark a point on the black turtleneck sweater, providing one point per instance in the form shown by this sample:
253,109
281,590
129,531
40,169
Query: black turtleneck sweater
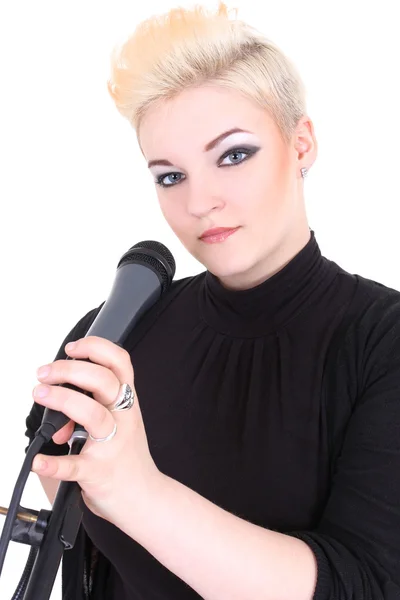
280,404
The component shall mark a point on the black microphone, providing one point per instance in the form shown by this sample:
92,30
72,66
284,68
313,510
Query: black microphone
144,274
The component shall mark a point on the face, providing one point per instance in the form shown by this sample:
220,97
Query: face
249,180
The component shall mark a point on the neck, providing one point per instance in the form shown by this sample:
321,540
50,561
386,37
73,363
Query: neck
276,260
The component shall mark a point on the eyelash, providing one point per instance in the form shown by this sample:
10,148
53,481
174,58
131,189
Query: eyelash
248,151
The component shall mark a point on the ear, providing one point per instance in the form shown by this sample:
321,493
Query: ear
305,142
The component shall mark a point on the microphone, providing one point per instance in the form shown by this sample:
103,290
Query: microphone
144,274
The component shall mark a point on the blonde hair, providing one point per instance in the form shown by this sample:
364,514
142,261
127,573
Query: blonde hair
186,48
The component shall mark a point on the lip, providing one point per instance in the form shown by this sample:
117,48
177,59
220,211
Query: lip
218,235
217,231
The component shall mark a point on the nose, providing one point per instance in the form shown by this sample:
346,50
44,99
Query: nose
202,199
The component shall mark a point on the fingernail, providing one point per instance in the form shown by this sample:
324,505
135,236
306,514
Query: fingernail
41,391
39,464
43,371
70,346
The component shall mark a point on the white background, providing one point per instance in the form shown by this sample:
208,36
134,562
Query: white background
76,194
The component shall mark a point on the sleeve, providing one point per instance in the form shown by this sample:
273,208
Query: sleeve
34,419
357,541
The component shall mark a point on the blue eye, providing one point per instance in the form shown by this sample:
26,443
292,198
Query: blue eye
247,151
159,180
232,152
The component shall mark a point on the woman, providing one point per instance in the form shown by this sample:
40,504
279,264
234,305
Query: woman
261,456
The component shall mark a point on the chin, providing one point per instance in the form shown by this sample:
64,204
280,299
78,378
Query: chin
230,266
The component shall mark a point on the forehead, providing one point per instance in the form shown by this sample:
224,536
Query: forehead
196,115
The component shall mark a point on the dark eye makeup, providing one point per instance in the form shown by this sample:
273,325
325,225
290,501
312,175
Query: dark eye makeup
248,150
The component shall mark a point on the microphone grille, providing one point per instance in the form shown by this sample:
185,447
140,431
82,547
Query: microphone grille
156,256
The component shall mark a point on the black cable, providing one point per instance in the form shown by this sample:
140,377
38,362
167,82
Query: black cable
6,534
23,582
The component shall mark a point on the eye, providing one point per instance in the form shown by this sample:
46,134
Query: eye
160,180
237,151
249,151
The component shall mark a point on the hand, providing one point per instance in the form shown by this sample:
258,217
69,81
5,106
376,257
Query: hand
105,471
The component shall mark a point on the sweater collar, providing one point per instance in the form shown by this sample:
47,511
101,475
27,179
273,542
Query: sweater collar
271,304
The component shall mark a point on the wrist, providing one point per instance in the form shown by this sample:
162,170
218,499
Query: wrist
138,504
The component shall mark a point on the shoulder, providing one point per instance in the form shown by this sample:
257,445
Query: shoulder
365,347
374,331
369,309
379,299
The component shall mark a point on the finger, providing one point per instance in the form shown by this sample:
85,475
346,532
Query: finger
106,353
97,379
63,468
64,434
95,418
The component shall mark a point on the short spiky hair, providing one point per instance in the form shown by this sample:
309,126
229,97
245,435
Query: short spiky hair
187,48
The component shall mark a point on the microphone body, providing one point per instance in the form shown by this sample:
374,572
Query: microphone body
139,283
136,288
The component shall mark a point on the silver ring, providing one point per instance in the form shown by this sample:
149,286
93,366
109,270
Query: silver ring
124,399
105,439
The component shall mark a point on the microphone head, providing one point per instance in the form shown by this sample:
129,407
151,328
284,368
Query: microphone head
154,255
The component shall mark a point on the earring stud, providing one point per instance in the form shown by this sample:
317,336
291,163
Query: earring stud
304,172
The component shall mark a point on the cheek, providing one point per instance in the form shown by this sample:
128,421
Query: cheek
269,185
175,218
252,194
168,210
262,204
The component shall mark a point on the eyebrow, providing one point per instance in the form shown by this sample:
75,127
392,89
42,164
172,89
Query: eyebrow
207,147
